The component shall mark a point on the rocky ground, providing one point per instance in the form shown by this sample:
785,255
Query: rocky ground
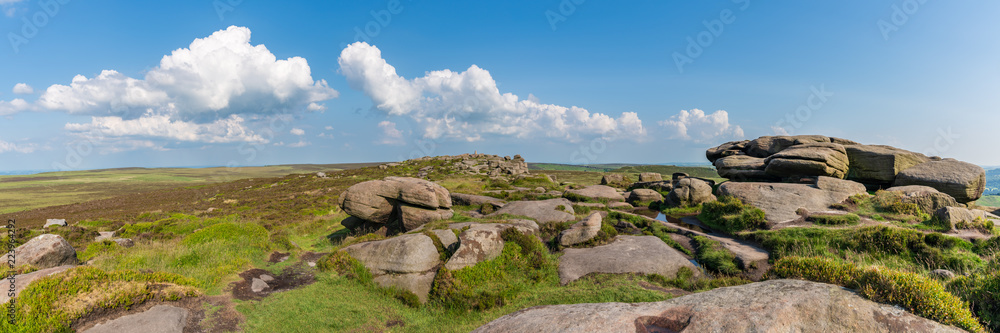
810,233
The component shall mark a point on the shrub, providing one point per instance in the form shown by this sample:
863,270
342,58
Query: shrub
731,215
831,219
714,257
988,246
982,291
918,294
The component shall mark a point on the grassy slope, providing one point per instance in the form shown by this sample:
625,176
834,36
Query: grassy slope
989,201
24,192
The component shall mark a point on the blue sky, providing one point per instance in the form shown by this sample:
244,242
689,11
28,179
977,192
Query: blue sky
100,84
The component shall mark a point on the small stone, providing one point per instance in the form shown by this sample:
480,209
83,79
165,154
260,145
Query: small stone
55,222
943,274
258,285
266,278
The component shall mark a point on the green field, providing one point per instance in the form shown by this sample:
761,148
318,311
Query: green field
989,201
24,192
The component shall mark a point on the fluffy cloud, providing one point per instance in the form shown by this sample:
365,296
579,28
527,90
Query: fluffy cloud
225,130
219,75
297,131
390,135
14,106
23,89
697,126
467,105
13,147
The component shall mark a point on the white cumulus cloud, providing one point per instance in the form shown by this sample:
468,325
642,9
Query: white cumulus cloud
14,106
13,147
218,75
390,135
23,89
468,105
298,131
696,125
230,129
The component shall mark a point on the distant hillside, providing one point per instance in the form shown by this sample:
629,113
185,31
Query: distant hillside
667,170
573,167
993,182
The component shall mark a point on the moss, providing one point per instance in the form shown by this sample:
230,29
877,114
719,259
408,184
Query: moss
52,303
918,294
715,257
443,252
684,279
731,215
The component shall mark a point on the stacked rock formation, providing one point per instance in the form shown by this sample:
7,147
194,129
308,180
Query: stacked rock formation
795,158
394,204
493,166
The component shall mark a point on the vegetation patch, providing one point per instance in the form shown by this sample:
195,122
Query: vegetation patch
897,248
715,257
982,290
835,219
731,215
50,304
684,279
653,229
921,295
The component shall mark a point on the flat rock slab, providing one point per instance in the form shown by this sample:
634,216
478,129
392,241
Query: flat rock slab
542,211
626,254
598,192
158,319
23,280
771,306
780,201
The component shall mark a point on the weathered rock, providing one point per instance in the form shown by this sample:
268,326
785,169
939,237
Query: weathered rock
943,274
55,223
475,200
878,164
726,149
690,192
928,198
258,285
614,179
476,245
542,211
954,216
104,235
963,181
743,168
266,278
403,261
770,306
644,195
22,281
410,201
769,145
597,192
413,217
448,238
527,227
780,201
158,319
650,177
660,186
811,159
626,254
46,251
124,242
621,206
582,231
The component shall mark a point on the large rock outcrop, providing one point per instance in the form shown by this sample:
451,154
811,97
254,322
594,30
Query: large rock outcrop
810,159
494,166
771,306
795,158
929,199
406,261
878,165
955,216
626,254
46,251
780,201
963,181
395,203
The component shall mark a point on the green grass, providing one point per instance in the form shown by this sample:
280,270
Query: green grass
50,304
652,229
731,215
919,294
896,248
989,201
982,290
835,220
210,256
714,257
